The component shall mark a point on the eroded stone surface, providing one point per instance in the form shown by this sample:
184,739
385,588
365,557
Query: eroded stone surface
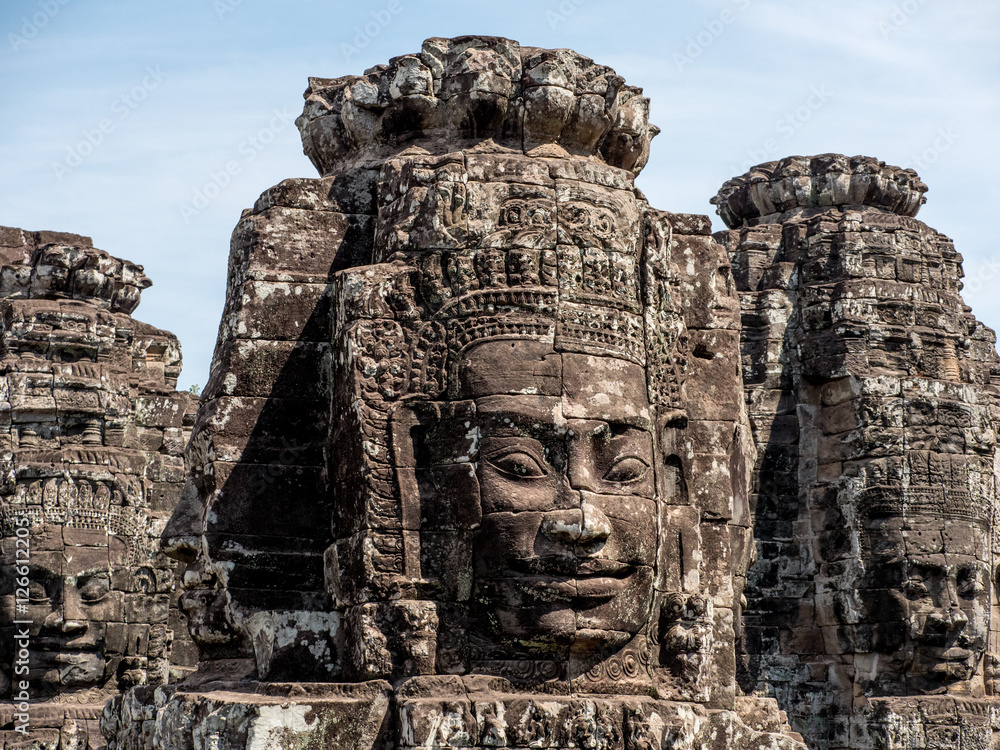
92,432
430,713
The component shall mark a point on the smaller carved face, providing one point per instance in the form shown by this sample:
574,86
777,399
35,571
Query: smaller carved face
927,596
70,602
590,216
526,217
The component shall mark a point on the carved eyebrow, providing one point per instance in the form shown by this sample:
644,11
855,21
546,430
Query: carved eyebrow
501,443
542,416
612,414
87,573
40,571
533,421
973,568
927,569
621,422
612,430
92,572
623,428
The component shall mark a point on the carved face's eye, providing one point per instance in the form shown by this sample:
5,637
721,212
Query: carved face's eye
518,463
94,588
37,593
513,214
627,469
969,584
915,589
603,224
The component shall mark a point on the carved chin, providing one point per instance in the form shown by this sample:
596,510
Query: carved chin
941,668
75,670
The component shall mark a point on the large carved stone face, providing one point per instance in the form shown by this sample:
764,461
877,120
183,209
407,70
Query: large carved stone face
927,596
532,326
70,603
564,554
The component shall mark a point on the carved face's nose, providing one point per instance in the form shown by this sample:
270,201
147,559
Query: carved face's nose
956,619
69,618
181,538
948,619
74,618
951,619
584,525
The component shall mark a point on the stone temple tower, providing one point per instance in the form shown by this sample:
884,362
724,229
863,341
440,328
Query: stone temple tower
92,433
472,467
495,454
872,390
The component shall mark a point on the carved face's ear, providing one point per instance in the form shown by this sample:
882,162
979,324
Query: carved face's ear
657,233
435,447
669,421
408,421
181,538
144,580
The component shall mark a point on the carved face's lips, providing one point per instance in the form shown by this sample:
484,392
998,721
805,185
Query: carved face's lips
49,654
566,567
592,582
599,588
78,656
957,654
948,665
50,645
939,643
578,589
69,667
953,654
53,653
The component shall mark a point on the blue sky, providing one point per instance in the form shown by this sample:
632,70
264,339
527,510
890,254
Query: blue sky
118,115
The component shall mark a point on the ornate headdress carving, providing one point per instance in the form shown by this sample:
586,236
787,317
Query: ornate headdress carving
80,504
478,88
896,501
591,300
801,182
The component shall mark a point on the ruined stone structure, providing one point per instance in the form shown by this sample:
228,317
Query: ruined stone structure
873,395
473,465
91,466
495,454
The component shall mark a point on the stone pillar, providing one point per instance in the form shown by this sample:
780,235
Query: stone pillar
873,396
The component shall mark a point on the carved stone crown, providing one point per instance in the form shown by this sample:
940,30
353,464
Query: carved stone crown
592,300
936,503
78,504
61,271
816,182
475,89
